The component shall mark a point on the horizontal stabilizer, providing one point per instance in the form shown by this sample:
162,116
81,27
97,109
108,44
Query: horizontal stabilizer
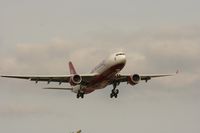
53,88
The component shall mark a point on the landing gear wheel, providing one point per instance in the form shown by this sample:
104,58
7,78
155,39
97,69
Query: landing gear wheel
114,93
111,95
80,94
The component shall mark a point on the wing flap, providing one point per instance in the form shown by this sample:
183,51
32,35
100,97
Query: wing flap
51,79
54,88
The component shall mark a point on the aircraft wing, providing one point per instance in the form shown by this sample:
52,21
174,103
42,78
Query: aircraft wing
52,78
148,77
124,78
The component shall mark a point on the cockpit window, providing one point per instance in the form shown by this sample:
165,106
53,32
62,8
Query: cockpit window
120,54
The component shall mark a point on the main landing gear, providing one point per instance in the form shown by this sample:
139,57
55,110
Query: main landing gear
114,92
80,94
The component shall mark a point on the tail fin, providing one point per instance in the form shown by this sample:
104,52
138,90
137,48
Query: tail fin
71,68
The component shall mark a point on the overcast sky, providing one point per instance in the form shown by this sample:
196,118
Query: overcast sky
41,36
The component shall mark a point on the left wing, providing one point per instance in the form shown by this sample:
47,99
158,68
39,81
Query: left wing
125,78
148,77
53,78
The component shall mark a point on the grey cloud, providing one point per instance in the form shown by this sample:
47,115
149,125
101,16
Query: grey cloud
147,52
40,37
17,110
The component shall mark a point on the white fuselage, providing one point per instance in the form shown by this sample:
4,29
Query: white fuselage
106,72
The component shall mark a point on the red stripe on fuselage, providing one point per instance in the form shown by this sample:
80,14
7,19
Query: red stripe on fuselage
103,79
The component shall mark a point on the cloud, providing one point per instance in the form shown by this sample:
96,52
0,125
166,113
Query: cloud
18,110
148,51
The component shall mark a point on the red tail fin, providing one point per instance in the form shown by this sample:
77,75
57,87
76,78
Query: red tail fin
71,68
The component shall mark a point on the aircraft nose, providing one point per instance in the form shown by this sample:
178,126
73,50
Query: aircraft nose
122,59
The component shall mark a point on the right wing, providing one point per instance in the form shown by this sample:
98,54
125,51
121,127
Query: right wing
86,78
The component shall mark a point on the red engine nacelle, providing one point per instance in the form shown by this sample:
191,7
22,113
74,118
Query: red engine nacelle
134,79
75,80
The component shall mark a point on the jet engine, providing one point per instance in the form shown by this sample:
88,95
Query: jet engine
75,80
134,79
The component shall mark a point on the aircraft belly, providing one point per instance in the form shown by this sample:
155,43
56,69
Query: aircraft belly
101,85
103,79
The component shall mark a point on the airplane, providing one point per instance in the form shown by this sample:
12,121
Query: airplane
79,131
104,74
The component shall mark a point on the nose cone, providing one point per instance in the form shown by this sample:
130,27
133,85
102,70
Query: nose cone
121,59
117,59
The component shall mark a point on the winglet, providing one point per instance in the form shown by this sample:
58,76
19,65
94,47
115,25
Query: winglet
71,68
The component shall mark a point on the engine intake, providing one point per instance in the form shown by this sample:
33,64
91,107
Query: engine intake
134,79
75,80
